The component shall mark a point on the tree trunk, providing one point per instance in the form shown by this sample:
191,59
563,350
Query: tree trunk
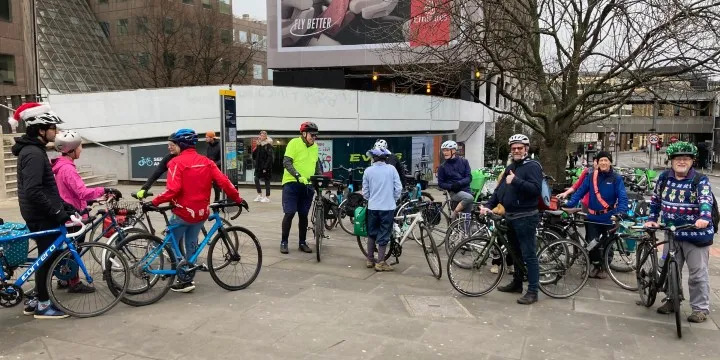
554,156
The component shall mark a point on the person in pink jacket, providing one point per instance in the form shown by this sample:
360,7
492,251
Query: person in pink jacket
73,190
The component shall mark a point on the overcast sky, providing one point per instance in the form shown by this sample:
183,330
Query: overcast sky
256,8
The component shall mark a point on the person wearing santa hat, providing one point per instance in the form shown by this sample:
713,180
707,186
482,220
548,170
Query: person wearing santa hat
41,206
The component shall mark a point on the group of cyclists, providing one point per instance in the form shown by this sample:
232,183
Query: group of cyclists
50,191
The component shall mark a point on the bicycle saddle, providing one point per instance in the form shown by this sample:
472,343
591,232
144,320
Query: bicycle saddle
572,210
554,212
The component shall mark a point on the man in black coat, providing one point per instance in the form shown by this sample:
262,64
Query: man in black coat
214,153
264,156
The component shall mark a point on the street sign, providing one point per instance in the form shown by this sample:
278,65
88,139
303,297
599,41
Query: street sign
612,137
653,139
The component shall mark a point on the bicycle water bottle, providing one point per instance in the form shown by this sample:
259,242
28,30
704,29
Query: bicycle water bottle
592,244
396,230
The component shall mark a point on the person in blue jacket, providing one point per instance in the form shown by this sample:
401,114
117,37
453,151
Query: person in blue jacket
454,176
612,200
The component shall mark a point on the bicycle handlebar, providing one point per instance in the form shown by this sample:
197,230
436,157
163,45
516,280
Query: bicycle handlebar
348,169
664,227
75,221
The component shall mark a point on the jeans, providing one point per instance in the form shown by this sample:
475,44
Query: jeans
189,232
697,259
259,188
464,198
521,234
594,231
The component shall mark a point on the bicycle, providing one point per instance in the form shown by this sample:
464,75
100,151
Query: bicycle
318,182
66,265
153,248
556,259
399,236
652,278
345,200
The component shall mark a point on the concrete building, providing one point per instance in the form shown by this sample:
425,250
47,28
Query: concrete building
252,34
17,63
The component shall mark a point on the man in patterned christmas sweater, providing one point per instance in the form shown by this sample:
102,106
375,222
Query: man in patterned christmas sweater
680,205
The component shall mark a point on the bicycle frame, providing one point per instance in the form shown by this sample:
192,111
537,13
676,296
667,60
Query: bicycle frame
170,237
416,219
59,244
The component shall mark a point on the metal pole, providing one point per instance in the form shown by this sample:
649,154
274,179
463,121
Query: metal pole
654,122
618,141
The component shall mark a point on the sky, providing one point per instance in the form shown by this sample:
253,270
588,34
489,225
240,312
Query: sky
256,8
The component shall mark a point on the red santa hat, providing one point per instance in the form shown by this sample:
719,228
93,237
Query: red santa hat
33,113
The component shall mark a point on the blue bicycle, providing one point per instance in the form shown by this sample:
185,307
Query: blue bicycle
67,265
154,260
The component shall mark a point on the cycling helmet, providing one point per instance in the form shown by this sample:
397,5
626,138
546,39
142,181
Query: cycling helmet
36,114
184,138
449,145
67,141
381,144
519,139
308,126
377,152
681,148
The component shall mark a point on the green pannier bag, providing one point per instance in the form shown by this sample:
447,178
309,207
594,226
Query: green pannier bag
360,222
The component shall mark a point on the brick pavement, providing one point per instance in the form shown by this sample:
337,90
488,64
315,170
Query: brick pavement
337,309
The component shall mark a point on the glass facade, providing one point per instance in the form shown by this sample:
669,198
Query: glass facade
73,50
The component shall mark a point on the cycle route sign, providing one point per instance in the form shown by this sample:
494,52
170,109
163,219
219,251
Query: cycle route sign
144,159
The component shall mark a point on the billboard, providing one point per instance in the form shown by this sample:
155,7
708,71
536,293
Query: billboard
314,33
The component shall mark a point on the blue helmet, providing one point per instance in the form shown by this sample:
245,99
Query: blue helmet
184,138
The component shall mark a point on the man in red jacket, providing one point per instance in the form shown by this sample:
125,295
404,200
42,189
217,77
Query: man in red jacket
189,181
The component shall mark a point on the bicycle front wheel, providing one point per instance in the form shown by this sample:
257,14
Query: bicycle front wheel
145,253
346,218
620,262
431,252
109,278
647,273
238,251
476,255
564,268
318,228
674,294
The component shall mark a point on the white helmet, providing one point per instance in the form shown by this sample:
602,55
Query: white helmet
449,145
67,141
519,139
380,144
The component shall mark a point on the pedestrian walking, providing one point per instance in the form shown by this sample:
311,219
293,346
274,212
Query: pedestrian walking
264,156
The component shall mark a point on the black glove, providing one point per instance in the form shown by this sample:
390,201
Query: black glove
147,207
244,204
114,192
61,216
455,187
621,216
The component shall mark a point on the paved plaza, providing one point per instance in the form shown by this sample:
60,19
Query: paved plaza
337,309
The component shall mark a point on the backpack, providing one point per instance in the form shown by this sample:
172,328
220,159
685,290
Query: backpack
360,221
662,182
545,198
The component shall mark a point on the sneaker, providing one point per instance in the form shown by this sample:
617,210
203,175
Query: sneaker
528,298
49,312
697,317
30,306
62,284
512,287
597,273
265,199
258,198
383,266
666,308
369,264
305,248
183,287
495,269
283,248
81,288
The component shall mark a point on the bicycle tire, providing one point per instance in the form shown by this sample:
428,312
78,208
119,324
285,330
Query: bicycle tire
463,248
343,213
213,269
456,227
647,277
318,230
362,243
132,296
225,224
445,219
673,280
119,293
577,255
623,281
431,252
113,240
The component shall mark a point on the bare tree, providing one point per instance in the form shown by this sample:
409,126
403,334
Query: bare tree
561,64
179,45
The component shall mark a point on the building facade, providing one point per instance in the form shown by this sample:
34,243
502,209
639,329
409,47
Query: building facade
17,63
252,34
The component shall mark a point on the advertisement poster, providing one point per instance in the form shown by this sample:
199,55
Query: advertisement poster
352,152
325,153
231,155
346,24
423,156
144,160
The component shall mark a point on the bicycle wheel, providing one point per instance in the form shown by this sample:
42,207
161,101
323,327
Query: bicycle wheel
647,273
432,255
318,228
226,253
206,227
146,252
673,280
362,244
440,229
114,239
461,229
563,262
618,259
476,251
68,266
346,218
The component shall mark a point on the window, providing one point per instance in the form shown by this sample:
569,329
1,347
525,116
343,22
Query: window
257,72
225,7
105,27
143,59
270,74
169,25
242,36
102,2
226,36
254,38
207,4
5,11
188,61
225,65
207,33
191,2
122,26
141,24
7,69
169,60
123,58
